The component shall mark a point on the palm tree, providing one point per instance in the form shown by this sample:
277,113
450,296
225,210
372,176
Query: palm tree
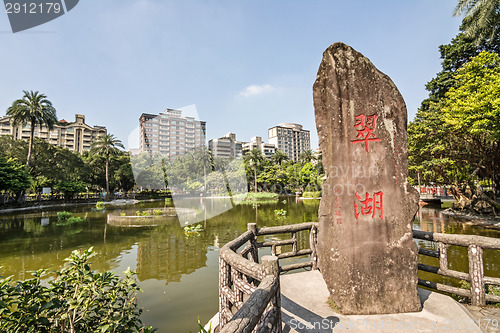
107,145
33,108
307,156
482,18
254,158
278,157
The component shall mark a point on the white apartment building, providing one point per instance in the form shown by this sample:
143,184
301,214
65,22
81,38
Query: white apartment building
170,134
226,146
290,138
267,149
76,136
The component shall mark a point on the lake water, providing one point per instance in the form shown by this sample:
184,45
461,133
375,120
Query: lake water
178,273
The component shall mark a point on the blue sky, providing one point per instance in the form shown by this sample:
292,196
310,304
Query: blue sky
247,65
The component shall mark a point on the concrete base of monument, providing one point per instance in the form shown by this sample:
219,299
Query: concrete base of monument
304,298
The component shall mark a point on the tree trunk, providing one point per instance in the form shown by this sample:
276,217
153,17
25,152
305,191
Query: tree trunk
494,183
30,146
462,196
107,176
255,178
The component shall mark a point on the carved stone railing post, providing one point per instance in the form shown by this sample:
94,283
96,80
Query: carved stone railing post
271,267
224,281
476,273
313,240
443,255
254,252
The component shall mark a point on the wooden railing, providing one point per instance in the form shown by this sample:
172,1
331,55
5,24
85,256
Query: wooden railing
475,276
249,291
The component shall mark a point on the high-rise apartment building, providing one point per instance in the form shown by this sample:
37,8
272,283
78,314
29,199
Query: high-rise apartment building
267,149
76,136
170,134
226,146
290,138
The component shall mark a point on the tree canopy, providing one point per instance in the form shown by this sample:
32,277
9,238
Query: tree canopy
33,108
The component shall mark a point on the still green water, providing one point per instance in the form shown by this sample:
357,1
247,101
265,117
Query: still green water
178,273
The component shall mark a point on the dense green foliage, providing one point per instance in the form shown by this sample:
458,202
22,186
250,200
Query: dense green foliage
76,300
60,169
454,136
66,218
315,194
14,177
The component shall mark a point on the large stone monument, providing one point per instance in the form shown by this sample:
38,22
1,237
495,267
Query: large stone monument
366,251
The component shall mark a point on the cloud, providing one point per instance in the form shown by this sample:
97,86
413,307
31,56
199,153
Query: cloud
255,90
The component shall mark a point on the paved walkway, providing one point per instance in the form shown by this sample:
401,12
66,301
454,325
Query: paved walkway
488,317
305,310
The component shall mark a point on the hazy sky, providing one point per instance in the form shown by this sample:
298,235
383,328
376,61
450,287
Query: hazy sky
247,65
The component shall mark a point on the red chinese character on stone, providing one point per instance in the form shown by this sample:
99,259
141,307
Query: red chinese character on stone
339,220
365,125
370,206
336,203
338,213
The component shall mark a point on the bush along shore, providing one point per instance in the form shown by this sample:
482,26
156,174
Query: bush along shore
76,300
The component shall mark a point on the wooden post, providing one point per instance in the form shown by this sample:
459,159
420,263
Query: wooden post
253,242
476,273
443,255
271,267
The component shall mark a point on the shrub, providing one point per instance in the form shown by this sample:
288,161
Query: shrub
63,216
193,229
315,194
260,197
70,220
280,212
99,205
77,300
157,212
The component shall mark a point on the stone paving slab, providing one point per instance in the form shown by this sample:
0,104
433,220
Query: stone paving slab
304,299
487,316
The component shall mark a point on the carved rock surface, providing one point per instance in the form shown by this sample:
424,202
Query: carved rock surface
366,251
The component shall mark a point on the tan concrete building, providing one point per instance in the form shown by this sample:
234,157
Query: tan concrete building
267,149
170,134
76,136
226,146
290,138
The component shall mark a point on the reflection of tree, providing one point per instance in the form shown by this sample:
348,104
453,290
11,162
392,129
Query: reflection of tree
27,246
167,254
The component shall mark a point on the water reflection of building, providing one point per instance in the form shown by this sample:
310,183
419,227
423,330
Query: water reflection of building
166,255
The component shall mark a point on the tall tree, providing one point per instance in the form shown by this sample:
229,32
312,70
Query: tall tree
482,19
436,153
307,156
473,108
278,157
33,108
107,145
254,159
